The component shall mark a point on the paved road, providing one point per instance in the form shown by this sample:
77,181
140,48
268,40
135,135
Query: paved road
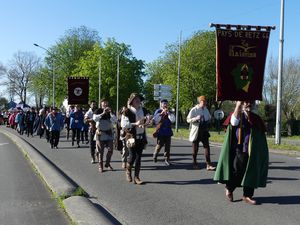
24,198
179,195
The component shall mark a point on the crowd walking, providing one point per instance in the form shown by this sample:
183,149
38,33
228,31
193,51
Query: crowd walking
243,161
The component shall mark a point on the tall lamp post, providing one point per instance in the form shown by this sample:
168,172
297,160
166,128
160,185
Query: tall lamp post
53,77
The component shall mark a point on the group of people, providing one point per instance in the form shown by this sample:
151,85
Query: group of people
243,159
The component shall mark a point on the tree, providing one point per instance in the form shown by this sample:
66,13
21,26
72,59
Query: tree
64,57
22,67
290,89
40,82
197,70
3,103
131,71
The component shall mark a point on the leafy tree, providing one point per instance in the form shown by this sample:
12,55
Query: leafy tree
130,71
3,102
64,57
39,85
197,68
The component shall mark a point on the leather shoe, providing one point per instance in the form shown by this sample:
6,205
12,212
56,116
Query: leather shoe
210,168
249,200
229,195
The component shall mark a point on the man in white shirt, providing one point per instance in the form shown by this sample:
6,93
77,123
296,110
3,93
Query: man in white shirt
199,118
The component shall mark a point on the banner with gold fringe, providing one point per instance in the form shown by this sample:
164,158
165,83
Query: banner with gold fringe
240,61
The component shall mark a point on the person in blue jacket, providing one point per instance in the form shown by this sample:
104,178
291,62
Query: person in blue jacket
54,123
163,119
76,123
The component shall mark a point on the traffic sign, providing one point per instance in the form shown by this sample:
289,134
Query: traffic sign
162,87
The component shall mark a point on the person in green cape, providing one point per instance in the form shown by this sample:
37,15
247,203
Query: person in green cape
244,156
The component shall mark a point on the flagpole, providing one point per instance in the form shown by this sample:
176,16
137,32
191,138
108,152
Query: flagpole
279,82
178,79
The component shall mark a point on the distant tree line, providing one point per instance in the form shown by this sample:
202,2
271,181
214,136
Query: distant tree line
79,52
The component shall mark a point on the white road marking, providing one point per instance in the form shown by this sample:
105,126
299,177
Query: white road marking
3,144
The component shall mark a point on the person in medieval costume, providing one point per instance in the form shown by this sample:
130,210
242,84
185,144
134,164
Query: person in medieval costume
133,122
163,119
105,120
199,119
244,156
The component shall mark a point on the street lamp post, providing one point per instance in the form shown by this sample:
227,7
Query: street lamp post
53,76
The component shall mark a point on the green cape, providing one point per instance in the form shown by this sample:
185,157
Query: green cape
258,162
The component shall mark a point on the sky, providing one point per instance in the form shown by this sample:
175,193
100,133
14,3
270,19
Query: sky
147,26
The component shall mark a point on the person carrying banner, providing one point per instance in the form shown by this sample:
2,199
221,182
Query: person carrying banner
133,121
244,155
199,118
54,123
88,118
105,120
163,119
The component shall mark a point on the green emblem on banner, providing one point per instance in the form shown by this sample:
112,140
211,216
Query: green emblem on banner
242,75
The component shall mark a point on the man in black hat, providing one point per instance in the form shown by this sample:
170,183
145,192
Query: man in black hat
133,122
163,119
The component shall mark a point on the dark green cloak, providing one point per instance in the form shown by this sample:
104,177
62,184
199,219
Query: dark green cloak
257,168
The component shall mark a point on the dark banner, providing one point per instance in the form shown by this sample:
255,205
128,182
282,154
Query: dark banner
78,90
240,62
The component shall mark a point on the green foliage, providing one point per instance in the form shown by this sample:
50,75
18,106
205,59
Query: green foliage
3,102
197,76
65,56
130,71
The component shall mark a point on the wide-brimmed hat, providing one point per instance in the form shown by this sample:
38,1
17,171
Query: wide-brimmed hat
133,96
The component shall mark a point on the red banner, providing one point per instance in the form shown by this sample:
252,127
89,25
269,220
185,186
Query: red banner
78,90
240,63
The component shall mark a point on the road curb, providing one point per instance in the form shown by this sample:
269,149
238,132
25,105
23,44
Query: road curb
83,211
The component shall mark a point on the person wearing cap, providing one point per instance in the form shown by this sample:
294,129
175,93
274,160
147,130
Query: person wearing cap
163,119
133,122
54,123
105,121
199,118
244,157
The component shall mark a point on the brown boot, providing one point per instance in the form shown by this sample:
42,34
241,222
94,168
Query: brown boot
128,173
101,167
137,179
195,164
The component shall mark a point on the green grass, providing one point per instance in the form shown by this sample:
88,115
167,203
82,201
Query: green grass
183,133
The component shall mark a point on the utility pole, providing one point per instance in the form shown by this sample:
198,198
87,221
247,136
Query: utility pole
99,97
118,76
178,82
279,82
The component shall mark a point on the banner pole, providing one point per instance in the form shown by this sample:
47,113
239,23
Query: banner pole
178,79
